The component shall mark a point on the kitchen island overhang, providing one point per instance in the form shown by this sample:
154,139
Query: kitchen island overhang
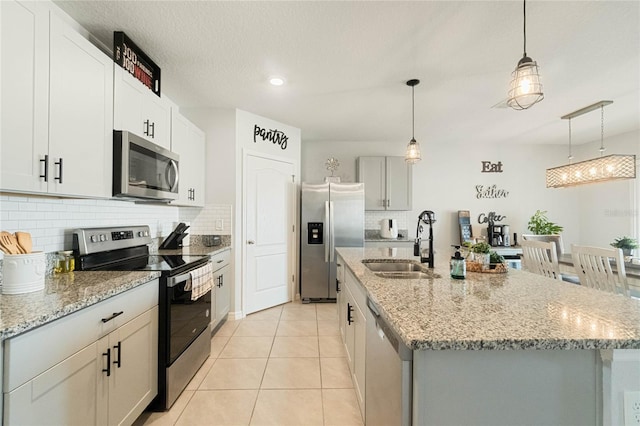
513,347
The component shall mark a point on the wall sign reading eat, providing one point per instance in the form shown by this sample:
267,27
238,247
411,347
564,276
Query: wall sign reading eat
489,167
272,135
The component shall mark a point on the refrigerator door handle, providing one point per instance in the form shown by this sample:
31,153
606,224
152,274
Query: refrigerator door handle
326,230
332,231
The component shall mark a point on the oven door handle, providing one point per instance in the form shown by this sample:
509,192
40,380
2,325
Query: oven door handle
173,281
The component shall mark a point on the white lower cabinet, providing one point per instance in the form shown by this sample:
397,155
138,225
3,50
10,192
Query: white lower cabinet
110,380
354,298
222,281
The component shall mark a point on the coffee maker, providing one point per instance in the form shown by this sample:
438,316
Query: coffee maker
498,235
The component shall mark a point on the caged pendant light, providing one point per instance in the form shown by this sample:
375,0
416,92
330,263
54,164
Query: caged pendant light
413,148
526,88
601,169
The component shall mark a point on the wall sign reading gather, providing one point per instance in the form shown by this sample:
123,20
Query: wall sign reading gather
490,192
489,167
272,135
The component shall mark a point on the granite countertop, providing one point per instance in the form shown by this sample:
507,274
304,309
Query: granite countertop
64,294
516,310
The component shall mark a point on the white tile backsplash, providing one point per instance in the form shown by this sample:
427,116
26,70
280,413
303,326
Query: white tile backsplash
206,221
372,218
51,221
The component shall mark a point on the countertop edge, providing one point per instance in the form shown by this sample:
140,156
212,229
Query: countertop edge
68,309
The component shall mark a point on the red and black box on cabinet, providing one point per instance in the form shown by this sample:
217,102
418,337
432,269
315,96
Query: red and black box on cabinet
133,60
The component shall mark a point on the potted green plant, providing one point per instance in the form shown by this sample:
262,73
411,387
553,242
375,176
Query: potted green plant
542,229
480,252
626,244
495,259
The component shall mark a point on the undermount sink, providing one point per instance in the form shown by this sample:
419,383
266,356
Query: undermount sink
393,266
406,275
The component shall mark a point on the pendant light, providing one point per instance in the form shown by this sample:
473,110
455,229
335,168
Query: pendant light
601,169
413,148
526,89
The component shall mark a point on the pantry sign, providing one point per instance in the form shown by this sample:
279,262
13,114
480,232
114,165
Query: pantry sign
131,58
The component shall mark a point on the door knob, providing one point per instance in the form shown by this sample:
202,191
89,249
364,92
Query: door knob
251,242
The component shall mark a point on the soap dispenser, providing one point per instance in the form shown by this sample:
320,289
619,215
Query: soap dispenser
458,265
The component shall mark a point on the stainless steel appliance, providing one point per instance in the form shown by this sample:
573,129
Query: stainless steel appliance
388,374
142,169
498,235
184,340
332,215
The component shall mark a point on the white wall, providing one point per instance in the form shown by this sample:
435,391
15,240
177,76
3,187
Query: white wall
609,209
229,136
444,181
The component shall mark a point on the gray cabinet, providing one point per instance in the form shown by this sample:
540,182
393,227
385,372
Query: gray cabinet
388,182
97,366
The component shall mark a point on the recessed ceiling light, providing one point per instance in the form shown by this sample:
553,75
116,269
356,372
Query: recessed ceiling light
276,81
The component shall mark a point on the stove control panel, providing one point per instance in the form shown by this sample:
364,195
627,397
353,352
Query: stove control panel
95,240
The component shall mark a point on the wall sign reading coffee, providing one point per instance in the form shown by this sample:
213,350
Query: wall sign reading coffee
271,135
490,192
131,58
490,218
489,167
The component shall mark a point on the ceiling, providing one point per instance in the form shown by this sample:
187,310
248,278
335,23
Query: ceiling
346,63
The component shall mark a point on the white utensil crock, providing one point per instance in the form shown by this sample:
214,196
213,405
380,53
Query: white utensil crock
23,273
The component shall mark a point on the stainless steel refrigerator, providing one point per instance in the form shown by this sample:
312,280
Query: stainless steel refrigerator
332,215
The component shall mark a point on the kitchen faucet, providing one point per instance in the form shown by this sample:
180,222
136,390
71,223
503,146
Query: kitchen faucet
427,217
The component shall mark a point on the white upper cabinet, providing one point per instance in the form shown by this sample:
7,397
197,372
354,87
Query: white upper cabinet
24,84
139,110
57,106
388,182
189,143
80,114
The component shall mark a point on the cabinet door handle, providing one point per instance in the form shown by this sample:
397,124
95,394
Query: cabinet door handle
59,163
115,314
337,285
388,202
119,348
108,369
349,311
46,168
146,128
153,130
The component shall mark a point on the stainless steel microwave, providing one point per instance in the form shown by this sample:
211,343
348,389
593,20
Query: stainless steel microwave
142,169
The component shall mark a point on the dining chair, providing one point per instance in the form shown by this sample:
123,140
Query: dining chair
593,265
541,258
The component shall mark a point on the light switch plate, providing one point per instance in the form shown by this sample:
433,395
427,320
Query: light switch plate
219,225
632,408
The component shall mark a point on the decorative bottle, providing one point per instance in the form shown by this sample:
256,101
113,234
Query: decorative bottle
458,265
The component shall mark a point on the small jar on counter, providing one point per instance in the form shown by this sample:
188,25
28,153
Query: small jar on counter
65,262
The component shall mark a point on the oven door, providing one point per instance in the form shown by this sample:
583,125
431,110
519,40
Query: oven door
186,318
142,169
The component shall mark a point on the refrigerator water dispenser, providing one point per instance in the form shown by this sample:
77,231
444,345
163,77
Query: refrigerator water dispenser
315,233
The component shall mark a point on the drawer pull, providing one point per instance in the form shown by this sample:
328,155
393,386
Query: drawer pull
115,314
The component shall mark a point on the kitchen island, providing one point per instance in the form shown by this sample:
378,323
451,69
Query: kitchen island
514,348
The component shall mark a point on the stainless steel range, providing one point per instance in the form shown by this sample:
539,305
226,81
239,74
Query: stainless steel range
185,299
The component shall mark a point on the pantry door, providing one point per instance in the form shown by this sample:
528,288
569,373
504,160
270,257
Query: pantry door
268,232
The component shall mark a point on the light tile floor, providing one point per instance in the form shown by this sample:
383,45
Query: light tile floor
281,366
